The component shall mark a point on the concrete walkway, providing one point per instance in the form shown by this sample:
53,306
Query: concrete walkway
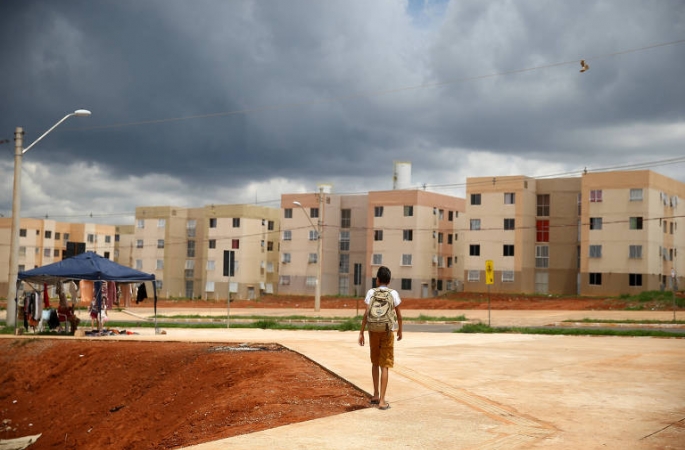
473,391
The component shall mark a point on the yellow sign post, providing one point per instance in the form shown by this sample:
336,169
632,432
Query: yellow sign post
489,280
489,272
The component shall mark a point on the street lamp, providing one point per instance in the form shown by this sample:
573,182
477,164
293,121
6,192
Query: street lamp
19,151
319,262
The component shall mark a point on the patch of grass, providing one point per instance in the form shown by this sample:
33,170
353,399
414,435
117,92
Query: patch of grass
423,318
482,328
649,322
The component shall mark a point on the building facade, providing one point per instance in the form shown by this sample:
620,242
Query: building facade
44,241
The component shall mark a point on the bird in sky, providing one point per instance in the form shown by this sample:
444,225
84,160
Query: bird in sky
583,66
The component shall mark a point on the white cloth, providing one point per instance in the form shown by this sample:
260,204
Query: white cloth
395,296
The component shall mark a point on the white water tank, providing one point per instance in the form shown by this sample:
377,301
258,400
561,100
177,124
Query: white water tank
401,178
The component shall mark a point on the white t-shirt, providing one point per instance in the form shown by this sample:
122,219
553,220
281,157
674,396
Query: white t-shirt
395,296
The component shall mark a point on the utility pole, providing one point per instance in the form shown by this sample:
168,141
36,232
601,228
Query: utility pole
11,320
319,253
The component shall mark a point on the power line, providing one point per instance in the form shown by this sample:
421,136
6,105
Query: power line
381,92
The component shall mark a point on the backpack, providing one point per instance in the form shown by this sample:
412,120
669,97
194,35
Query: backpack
381,315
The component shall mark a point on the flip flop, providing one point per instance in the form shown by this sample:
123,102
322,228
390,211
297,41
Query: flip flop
383,408
375,401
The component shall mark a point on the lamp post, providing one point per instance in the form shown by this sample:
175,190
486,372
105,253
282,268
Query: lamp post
19,151
319,238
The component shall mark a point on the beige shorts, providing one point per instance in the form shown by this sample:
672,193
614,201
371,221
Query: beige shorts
382,346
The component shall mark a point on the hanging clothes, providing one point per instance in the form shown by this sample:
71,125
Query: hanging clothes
46,296
142,293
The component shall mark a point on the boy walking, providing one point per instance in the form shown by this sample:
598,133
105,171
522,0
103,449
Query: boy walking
381,343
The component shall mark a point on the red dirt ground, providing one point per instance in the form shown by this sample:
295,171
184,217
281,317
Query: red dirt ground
153,395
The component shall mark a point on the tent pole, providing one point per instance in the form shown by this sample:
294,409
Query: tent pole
154,288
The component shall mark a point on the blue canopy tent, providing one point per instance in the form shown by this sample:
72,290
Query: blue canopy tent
87,266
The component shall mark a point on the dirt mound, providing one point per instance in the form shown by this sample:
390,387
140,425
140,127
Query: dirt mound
147,395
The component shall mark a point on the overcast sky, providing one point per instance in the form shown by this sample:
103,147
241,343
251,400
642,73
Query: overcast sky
198,102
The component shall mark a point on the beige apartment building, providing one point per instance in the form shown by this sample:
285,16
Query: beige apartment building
632,234
410,231
44,241
200,252
608,233
528,228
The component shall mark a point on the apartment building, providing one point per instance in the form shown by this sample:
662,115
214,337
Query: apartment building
201,252
44,241
600,234
632,234
410,231
528,228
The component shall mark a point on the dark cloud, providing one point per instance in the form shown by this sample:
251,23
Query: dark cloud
254,97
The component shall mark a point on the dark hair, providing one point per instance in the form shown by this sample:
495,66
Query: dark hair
383,275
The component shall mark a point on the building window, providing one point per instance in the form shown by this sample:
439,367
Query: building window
160,243
314,213
377,235
91,238
449,239
345,218
407,235
475,224
211,265
474,275
22,251
636,196
108,239
56,254
596,196
212,243
377,259
311,281
406,284
57,236
595,223
313,235
139,243
313,257
595,251
542,256
344,266
48,234
236,222
161,223
543,205
509,198
507,276
441,214
47,252
636,223
212,222
635,279
595,278
474,250
450,216
635,252
190,249
140,223
288,214
542,230
235,244
285,258
671,227
66,236
408,211
508,250
191,226
377,211
509,224
269,246
440,238
287,235
160,264
475,199
284,280
139,264
406,259
344,241
22,232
